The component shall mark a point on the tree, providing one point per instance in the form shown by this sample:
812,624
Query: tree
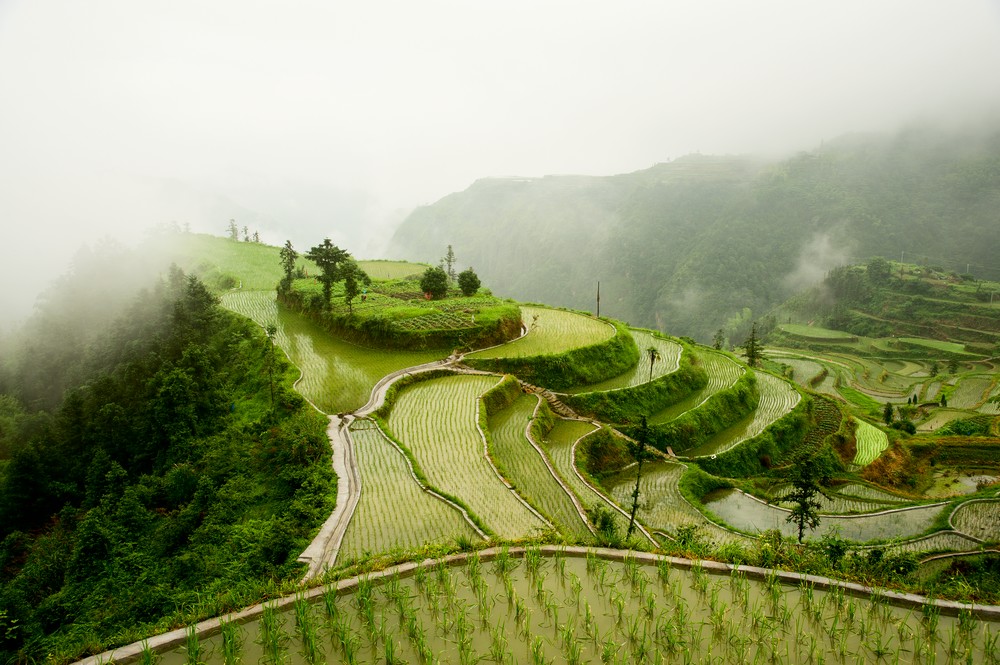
288,256
944,401
719,340
271,330
234,231
449,263
468,281
328,257
353,277
654,355
434,282
806,479
878,270
887,413
953,366
935,368
752,348
637,448
246,234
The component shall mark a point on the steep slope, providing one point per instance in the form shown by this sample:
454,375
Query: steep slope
686,246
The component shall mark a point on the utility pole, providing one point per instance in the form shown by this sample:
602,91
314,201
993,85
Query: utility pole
598,300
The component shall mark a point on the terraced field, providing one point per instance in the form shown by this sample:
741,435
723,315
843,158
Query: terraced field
871,442
723,372
437,421
979,519
750,515
394,511
336,376
662,507
970,392
526,470
669,358
559,445
777,398
392,269
551,331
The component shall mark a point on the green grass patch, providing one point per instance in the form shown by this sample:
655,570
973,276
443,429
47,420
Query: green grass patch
871,442
860,399
817,333
937,345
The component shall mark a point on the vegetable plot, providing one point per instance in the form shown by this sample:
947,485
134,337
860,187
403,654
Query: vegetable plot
437,421
394,511
871,442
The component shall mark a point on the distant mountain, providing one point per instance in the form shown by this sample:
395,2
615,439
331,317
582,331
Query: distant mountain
705,242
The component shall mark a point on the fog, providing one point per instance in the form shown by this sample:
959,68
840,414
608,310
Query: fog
310,119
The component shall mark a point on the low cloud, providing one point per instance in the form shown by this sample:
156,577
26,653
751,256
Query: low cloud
818,256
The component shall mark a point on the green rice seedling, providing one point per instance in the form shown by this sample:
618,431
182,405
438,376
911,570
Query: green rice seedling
663,569
538,652
499,647
272,638
330,602
609,648
473,566
192,646
966,623
532,559
306,629
389,651
991,646
576,587
931,616
232,642
560,563
346,640
420,576
649,608
147,656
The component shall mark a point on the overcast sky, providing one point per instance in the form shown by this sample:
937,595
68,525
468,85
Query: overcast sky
306,119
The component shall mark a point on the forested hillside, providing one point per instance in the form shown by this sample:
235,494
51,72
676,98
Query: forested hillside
178,477
689,246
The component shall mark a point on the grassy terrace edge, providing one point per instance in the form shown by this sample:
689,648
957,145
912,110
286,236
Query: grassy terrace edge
580,366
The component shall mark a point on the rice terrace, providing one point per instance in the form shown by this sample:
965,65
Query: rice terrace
527,484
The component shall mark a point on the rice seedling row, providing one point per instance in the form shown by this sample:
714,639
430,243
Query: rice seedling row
970,392
871,442
336,376
437,421
546,609
551,331
834,503
942,541
667,360
394,511
527,471
862,491
723,372
752,516
979,519
661,504
559,444
777,398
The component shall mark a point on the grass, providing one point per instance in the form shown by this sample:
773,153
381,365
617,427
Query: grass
551,331
860,399
937,345
392,269
723,372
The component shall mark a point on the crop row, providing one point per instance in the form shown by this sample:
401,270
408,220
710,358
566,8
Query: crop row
394,511
970,392
439,321
437,421
979,519
526,469
871,442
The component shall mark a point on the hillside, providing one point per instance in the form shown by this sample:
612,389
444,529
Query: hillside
688,245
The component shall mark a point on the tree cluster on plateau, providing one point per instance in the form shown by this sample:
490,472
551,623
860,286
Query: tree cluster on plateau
335,265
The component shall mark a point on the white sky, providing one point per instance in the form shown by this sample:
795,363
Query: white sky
314,118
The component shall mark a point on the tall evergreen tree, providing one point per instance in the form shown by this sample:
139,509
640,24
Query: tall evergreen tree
288,256
752,348
328,257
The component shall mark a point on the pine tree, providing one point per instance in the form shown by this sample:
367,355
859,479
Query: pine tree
752,348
